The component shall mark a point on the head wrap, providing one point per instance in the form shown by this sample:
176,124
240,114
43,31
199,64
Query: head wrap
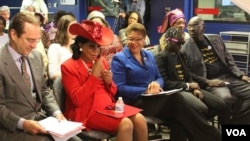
170,18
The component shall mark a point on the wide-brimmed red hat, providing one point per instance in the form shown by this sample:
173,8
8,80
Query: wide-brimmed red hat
93,31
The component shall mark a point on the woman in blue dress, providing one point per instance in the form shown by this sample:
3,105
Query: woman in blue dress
135,72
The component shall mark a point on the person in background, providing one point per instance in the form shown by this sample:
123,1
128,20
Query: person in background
174,18
135,5
60,50
109,7
135,73
3,36
30,8
39,5
88,85
174,71
40,44
131,17
45,40
213,67
116,46
51,27
23,102
5,12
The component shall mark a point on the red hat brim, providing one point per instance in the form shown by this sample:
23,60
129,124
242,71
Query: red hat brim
84,30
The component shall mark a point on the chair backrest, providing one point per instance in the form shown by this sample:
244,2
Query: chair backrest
59,93
154,49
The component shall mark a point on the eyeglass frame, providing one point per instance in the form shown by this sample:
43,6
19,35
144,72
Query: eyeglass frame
137,40
180,23
194,26
31,41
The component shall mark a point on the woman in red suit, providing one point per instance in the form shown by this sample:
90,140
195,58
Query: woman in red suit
88,84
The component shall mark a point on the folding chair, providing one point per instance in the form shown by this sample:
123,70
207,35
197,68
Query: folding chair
90,135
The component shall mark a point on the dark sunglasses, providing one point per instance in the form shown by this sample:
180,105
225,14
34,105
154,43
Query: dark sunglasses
176,41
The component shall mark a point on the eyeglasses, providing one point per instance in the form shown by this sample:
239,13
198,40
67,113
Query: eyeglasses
133,18
32,41
180,23
176,41
135,39
194,26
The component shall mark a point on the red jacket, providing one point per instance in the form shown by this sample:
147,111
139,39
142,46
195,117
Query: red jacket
80,87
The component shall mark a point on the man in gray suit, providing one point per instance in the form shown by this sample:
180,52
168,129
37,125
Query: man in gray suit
23,104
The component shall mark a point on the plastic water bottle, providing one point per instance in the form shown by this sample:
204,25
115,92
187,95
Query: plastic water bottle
119,105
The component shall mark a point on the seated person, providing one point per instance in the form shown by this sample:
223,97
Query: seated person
38,6
40,45
116,46
25,98
88,85
131,17
173,69
60,50
212,65
174,18
135,72
51,27
135,5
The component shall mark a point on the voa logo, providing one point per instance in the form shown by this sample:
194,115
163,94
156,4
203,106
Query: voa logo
236,132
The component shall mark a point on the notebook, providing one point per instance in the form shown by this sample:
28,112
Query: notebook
164,92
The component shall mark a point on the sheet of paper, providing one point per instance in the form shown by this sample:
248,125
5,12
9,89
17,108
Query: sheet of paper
61,130
164,92
66,137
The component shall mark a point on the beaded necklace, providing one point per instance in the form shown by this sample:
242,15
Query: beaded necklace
86,66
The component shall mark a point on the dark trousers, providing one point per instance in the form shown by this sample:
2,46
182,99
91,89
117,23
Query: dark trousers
22,136
179,113
209,106
236,96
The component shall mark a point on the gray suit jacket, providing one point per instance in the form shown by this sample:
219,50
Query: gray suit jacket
15,97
